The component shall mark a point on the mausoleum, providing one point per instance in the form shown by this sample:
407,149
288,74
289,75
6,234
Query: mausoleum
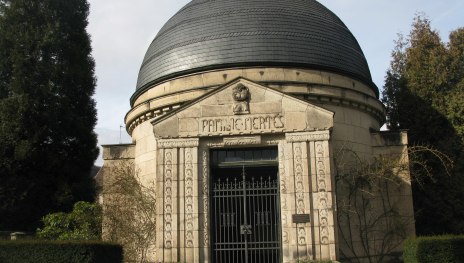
238,114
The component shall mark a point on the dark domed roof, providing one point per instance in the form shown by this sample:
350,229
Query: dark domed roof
215,34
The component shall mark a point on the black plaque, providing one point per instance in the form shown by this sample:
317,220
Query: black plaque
301,218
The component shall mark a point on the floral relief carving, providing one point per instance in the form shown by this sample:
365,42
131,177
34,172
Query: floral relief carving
299,186
322,195
189,196
242,141
283,185
301,236
177,143
285,237
168,178
205,180
308,136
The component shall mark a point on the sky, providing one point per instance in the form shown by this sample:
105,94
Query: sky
122,30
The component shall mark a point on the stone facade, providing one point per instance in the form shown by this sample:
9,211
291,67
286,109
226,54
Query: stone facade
254,76
307,115
301,132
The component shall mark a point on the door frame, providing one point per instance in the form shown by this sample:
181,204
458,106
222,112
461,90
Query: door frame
247,164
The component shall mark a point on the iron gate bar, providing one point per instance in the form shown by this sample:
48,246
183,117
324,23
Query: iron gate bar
242,200
245,213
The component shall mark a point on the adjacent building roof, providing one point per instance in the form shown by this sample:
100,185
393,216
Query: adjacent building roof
216,34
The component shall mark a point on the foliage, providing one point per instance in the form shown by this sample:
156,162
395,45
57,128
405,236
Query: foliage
47,114
59,252
83,223
434,249
129,209
372,221
424,94
313,261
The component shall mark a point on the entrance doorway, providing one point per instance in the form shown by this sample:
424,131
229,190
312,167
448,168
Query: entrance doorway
245,207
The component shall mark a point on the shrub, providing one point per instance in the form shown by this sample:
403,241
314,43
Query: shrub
59,252
313,261
434,249
82,223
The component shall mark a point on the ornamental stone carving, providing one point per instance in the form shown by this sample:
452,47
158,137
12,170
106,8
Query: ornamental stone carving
189,197
282,174
322,195
241,95
178,143
308,136
168,178
205,181
233,141
299,184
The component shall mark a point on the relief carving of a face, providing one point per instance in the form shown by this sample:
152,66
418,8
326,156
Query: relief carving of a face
241,95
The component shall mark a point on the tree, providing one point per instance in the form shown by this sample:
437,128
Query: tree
47,114
82,223
424,94
129,210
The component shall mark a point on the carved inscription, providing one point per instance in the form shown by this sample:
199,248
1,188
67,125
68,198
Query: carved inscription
242,124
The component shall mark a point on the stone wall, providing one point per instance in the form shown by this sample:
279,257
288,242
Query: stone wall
175,124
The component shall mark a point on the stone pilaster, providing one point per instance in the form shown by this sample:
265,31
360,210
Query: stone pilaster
323,203
203,184
294,171
306,190
180,210
287,203
167,208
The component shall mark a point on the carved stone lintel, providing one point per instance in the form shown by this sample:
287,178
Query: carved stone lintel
308,136
242,140
178,143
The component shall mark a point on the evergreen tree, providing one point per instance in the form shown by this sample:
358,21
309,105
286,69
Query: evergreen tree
47,114
455,98
423,93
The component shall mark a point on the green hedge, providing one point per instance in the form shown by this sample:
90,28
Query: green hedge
434,249
59,252
313,261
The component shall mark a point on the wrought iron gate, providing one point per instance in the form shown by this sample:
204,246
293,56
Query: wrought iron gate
245,215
